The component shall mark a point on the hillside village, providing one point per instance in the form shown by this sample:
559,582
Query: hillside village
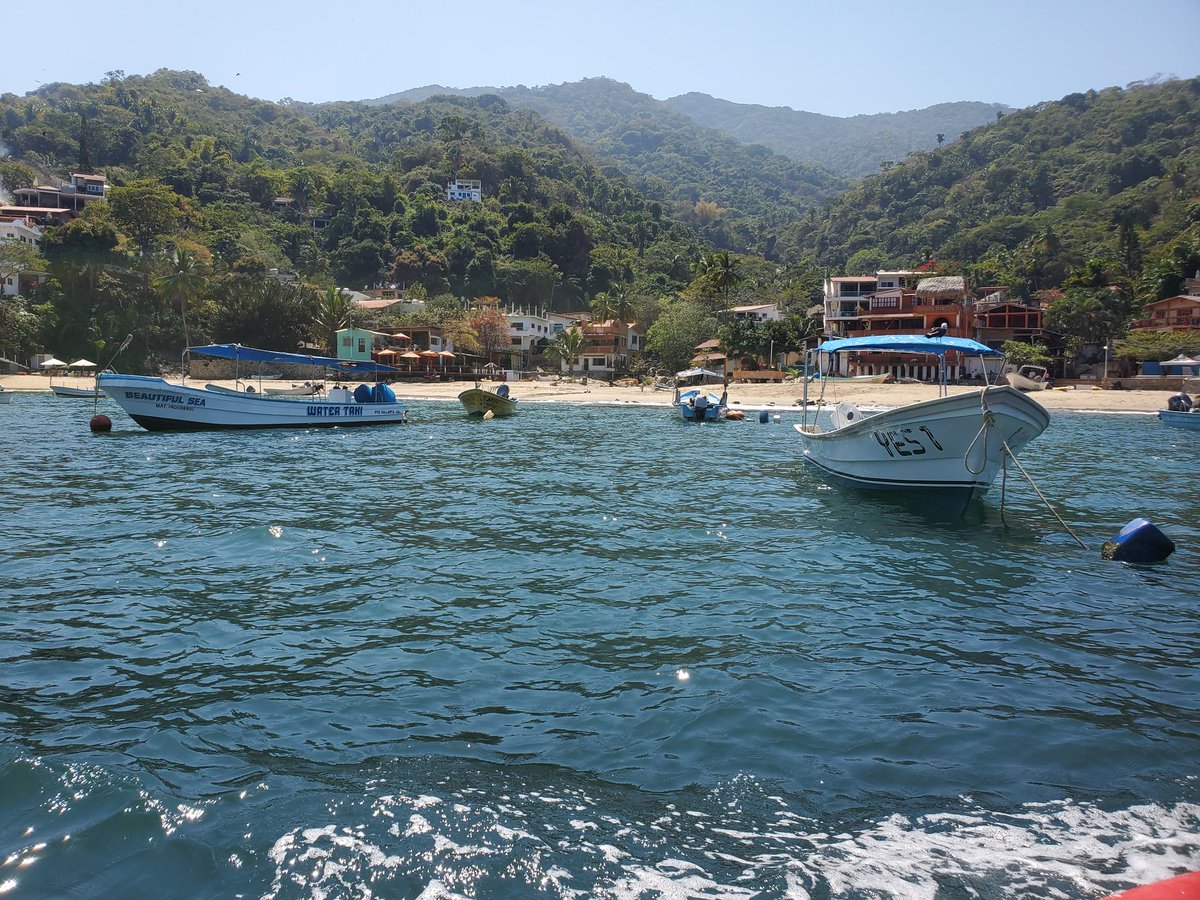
627,312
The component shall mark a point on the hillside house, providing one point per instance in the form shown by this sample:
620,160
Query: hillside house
71,195
465,189
26,230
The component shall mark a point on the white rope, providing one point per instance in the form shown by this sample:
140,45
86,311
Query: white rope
1037,491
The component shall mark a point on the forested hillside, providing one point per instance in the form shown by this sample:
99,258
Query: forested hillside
1030,197
1093,200
850,147
339,193
736,196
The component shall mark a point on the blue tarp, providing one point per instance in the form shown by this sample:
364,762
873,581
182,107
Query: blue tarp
251,354
910,343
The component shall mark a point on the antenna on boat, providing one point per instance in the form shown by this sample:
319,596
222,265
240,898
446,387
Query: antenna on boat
96,390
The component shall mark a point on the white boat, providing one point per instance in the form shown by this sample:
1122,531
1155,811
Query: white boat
951,446
884,378
71,393
158,405
479,402
1029,378
308,389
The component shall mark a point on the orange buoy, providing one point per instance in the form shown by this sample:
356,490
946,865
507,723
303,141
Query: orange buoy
100,424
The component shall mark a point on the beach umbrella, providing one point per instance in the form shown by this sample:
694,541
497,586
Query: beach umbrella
446,354
1181,360
53,363
427,353
82,364
385,353
400,335
410,355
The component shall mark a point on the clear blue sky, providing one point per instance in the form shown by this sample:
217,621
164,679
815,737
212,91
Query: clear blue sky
838,57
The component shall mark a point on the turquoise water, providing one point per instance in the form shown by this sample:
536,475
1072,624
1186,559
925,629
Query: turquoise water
583,652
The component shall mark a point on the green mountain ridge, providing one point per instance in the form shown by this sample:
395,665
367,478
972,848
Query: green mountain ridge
851,147
1057,182
673,160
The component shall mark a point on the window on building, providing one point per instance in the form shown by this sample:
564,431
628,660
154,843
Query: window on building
362,345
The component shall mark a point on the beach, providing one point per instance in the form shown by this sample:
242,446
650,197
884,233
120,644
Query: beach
744,395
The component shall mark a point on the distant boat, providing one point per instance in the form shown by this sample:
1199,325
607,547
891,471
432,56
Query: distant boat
1029,378
1181,414
699,404
951,446
307,389
479,402
76,393
883,378
158,405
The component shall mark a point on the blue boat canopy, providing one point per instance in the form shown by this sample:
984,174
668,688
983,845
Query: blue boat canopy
910,343
251,354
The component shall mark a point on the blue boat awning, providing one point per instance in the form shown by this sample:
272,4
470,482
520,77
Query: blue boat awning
910,343
252,354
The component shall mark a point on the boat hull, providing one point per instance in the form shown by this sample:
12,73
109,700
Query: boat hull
478,402
71,393
950,447
1029,378
157,405
1190,421
711,412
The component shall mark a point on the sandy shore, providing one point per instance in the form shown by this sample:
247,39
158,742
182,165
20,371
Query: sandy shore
747,396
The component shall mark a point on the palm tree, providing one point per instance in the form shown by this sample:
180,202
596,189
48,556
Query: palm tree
602,306
183,281
333,314
568,346
621,303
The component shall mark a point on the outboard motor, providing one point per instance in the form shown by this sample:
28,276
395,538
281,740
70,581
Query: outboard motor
1180,402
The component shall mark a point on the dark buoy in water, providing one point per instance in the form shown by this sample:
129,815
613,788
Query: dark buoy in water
764,417
100,424
1138,542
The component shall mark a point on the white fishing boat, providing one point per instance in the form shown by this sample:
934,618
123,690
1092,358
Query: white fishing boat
951,446
75,393
882,378
308,389
480,402
159,405
72,393
1029,378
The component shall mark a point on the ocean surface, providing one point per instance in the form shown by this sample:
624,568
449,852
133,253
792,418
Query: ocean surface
584,652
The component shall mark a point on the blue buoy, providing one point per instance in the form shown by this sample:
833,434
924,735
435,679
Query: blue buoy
764,417
1138,542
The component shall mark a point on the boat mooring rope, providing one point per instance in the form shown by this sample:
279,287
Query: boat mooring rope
989,422
1037,491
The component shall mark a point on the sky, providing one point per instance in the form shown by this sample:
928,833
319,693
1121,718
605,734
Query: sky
837,57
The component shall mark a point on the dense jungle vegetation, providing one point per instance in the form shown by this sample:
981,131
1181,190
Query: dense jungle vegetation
849,147
1091,202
